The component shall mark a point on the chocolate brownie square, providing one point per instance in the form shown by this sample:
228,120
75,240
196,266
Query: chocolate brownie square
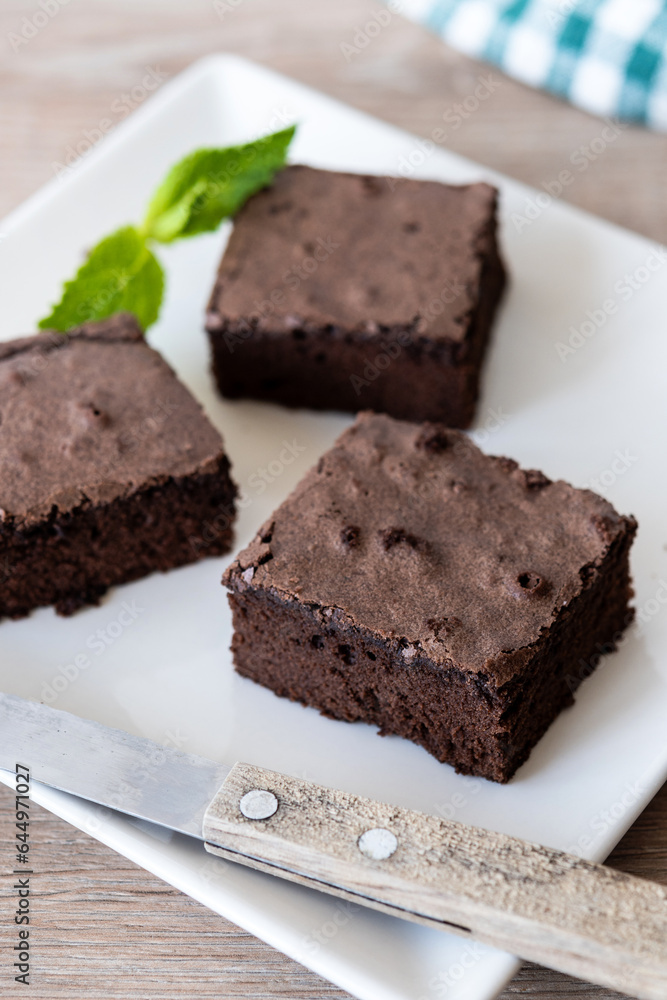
109,468
450,597
347,292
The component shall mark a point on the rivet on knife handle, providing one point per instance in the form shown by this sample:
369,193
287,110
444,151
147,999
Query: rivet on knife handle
535,902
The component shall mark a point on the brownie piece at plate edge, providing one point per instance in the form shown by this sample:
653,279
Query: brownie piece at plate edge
109,468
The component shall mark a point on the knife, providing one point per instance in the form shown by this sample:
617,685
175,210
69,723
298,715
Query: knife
535,902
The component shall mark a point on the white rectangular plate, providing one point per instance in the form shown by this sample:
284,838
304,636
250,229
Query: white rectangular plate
598,415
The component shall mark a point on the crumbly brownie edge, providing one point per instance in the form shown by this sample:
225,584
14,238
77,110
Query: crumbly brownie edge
70,560
394,371
305,654
119,327
493,281
590,627
328,372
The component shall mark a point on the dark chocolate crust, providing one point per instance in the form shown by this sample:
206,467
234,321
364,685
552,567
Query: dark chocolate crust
443,595
346,292
109,469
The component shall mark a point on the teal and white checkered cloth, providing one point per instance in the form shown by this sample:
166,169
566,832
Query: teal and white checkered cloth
607,56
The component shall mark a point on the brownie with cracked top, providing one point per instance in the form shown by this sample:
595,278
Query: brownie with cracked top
350,292
109,468
441,594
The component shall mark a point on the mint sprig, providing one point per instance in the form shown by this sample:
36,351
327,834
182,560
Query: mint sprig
119,274
122,273
211,184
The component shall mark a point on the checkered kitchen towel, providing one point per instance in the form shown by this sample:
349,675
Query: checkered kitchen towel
607,56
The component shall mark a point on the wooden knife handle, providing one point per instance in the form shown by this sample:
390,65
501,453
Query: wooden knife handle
540,904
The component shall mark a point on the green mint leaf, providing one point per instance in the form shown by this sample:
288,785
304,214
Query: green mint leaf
211,184
119,274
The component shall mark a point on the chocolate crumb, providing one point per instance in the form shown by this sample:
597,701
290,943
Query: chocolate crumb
350,536
390,537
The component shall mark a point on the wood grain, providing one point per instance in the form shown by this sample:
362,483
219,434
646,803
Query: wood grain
106,928
109,930
66,79
602,925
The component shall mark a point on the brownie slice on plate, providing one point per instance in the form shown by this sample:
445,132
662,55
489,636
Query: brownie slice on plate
109,468
347,292
447,596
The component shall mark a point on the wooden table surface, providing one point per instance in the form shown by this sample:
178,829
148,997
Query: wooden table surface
104,927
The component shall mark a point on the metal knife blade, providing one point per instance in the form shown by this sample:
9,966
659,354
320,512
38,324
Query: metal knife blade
108,766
